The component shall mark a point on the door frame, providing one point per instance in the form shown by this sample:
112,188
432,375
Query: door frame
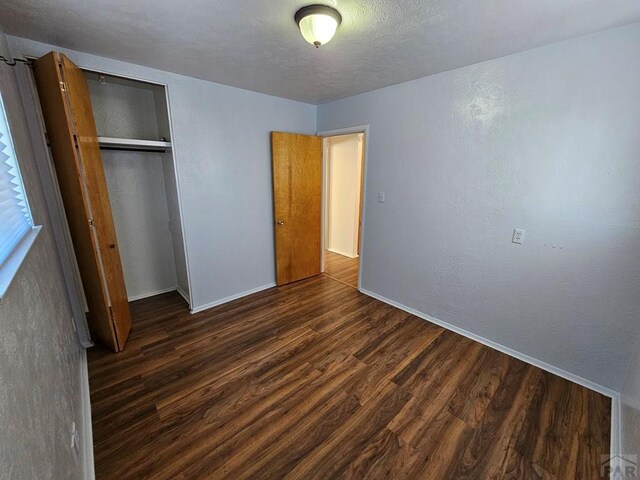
364,129
188,296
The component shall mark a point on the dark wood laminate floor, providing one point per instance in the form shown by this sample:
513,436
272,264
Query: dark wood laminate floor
341,268
316,381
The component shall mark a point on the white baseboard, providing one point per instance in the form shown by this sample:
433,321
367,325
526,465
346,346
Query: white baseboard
490,343
184,295
87,430
344,254
140,296
231,297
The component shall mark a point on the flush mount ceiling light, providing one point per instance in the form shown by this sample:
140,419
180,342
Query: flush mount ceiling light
318,23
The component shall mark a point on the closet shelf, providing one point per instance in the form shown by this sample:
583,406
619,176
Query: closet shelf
110,143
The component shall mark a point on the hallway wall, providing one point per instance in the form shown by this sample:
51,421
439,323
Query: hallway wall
344,170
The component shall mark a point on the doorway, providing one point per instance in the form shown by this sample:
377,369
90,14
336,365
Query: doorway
318,180
343,174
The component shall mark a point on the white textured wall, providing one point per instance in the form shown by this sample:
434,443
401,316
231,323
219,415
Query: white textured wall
221,145
40,357
343,197
139,206
546,140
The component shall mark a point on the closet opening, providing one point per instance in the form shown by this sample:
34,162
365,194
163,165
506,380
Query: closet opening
134,134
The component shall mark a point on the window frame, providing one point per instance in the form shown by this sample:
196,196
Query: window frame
11,265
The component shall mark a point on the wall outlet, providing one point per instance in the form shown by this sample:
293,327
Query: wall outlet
75,438
518,236
381,197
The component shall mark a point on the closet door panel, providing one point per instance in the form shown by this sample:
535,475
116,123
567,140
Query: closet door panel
91,160
48,76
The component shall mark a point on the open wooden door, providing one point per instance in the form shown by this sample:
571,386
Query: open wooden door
297,198
73,139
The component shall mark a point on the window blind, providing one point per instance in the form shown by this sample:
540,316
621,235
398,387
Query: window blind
15,218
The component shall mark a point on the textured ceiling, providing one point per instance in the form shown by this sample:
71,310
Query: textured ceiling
255,44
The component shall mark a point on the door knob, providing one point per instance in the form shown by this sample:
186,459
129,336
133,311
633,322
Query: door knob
279,222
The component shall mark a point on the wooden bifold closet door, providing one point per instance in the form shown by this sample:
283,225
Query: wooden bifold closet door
71,130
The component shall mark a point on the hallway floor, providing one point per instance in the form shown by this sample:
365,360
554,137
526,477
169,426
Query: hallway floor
341,268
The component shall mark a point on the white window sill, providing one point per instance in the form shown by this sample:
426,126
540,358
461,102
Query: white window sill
10,267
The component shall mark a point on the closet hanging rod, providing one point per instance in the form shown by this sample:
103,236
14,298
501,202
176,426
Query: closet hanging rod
129,144
129,149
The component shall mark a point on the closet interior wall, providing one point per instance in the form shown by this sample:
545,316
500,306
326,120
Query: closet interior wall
142,184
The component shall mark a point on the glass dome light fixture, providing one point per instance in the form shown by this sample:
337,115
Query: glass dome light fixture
318,23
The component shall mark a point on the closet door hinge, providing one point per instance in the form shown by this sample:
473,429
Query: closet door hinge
46,139
92,223
63,86
75,140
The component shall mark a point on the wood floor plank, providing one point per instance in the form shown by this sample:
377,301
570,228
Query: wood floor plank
278,458
376,458
335,454
315,380
490,443
416,419
476,390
